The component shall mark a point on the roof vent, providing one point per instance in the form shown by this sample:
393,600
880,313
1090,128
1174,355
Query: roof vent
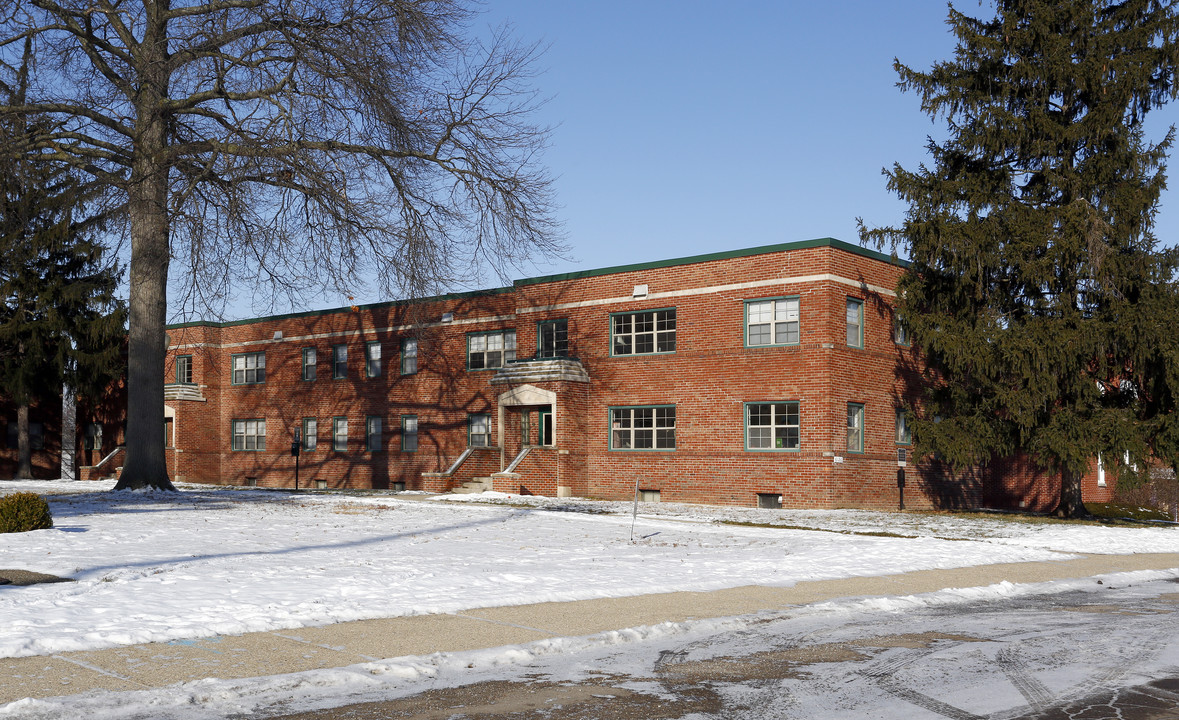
640,291
447,317
278,334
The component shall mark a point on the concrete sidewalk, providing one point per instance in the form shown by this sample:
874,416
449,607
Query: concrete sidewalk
153,665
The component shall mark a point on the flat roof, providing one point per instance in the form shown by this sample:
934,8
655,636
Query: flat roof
632,267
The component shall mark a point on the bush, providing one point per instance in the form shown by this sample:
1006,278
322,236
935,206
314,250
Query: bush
24,511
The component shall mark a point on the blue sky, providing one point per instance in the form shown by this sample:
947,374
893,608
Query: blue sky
691,127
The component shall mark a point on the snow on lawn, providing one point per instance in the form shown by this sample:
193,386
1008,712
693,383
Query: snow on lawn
208,561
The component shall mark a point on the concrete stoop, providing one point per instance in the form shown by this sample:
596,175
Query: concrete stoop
474,485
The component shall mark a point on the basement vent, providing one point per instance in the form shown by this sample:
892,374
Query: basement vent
769,501
398,487
648,496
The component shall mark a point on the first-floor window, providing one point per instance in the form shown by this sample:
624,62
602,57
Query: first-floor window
772,426
310,434
904,435
372,434
855,428
340,434
249,434
36,435
409,433
642,428
93,437
249,369
409,356
184,369
479,430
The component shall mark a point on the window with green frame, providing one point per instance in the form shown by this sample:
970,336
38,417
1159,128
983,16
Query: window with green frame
340,434
643,333
479,430
249,368
339,361
310,434
249,435
409,433
552,338
855,428
184,369
486,350
372,359
855,323
409,356
642,428
904,435
373,436
772,426
309,360
772,321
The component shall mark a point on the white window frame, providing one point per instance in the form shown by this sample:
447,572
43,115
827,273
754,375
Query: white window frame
248,368
653,329
649,428
782,433
780,317
479,430
490,350
409,356
855,322
249,435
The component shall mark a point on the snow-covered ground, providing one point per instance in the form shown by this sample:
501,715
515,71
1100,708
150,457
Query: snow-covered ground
207,561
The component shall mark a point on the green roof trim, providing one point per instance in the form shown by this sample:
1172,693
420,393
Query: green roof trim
689,260
724,255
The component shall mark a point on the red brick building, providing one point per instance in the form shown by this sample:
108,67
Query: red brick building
738,378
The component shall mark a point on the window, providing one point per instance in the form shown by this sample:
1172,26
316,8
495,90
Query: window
904,436
372,360
339,361
642,428
310,434
643,333
855,428
900,334
769,501
372,434
409,433
771,426
340,434
184,369
409,356
552,338
771,322
249,434
490,350
479,430
855,323
92,440
249,369
309,359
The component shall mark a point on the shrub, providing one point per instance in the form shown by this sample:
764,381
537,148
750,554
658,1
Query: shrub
24,511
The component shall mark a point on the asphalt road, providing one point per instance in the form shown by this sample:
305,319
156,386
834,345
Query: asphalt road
1090,652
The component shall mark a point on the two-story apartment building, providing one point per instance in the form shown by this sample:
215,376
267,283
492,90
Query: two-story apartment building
758,376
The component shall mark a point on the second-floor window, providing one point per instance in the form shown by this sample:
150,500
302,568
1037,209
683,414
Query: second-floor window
309,360
855,323
771,322
249,369
552,338
491,349
184,369
372,360
643,333
339,361
409,356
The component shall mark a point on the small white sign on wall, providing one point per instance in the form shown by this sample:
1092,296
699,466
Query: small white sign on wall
838,458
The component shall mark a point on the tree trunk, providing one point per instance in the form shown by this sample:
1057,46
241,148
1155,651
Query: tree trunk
146,465
24,451
1071,505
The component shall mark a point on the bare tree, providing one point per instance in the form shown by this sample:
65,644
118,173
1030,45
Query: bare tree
300,144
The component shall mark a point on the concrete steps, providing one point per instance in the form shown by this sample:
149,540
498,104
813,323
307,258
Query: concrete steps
474,485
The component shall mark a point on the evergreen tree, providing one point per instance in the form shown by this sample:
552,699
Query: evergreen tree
60,320
1035,281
